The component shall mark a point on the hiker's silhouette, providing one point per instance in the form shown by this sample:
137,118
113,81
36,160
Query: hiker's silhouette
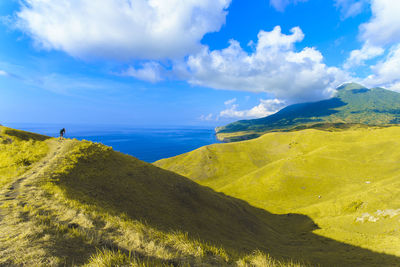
62,132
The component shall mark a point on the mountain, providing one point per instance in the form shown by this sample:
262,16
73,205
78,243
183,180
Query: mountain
353,105
347,182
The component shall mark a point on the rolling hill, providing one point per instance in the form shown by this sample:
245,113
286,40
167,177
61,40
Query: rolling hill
352,106
347,182
69,202
65,202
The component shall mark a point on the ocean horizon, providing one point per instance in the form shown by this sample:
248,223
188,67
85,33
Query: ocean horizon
145,143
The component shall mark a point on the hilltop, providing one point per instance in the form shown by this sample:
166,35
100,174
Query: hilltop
353,106
347,182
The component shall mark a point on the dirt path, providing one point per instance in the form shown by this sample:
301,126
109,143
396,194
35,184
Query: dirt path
21,183
22,234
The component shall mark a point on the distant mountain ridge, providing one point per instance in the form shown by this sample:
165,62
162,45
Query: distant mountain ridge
353,104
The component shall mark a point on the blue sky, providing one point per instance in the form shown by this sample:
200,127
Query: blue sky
177,62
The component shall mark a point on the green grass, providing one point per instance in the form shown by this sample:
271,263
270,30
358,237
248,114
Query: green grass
105,258
260,259
347,182
18,152
97,176
85,204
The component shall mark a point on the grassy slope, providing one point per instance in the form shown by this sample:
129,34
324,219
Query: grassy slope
83,203
97,176
353,104
343,180
18,152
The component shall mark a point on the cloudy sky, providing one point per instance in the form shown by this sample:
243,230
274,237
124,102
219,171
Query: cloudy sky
187,62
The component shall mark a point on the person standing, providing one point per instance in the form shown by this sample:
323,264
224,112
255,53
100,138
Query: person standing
62,132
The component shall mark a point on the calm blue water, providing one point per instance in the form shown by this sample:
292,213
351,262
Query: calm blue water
147,144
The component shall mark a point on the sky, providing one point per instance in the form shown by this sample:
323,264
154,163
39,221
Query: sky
187,62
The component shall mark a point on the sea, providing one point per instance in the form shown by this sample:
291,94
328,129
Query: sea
144,143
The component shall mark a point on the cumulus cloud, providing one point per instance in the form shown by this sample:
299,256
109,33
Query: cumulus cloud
386,72
379,33
384,26
280,5
121,29
149,71
359,56
264,108
273,67
351,8
380,36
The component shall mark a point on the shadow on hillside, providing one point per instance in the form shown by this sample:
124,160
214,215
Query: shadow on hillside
76,250
312,109
305,112
122,185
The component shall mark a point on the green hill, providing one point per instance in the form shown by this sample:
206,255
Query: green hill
65,202
68,202
347,182
352,106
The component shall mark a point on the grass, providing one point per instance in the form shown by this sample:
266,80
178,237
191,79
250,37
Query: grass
84,204
347,182
97,176
105,258
260,259
18,152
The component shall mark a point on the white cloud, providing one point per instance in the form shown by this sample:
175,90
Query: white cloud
230,101
380,34
386,72
351,8
358,57
264,108
384,27
208,117
3,73
274,67
150,71
280,5
121,29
